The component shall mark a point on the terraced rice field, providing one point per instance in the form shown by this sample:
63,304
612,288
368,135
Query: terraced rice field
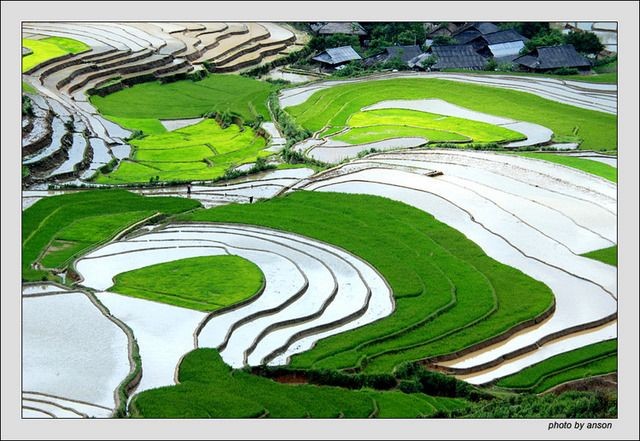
597,359
439,288
49,48
201,151
57,229
202,283
596,168
333,106
188,99
74,356
210,389
472,184
498,270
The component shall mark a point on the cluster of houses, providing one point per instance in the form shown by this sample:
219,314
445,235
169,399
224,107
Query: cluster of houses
474,45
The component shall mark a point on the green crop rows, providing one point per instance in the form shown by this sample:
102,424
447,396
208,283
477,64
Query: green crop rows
188,99
436,128
595,359
444,285
586,165
197,152
48,48
202,283
56,229
334,106
210,389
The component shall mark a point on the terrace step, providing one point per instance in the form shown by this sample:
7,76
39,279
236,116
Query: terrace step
250,57
150,64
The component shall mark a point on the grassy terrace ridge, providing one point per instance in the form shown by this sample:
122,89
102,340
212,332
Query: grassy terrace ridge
334,106
603,74
596,359
447,125
28,88
606,255
605,171
210,389
197,152
57,228
449,294
147,126
202,283
373,133
189,99
48,48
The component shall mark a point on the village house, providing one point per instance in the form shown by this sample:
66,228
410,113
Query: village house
333,58
468,32
458,56
503,46
401,53
546,58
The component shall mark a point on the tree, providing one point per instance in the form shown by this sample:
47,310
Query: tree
585,42
527,29
553,37
444,40
429,61
491,65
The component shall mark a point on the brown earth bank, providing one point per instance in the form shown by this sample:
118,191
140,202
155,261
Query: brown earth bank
603,383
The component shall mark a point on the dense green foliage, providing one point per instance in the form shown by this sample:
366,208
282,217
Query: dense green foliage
49,48
334,106
189,99
527,29
586,165
203,283
550,37
198,152
606,255
595,359
566,405
585,42
210,389
449,294
84,220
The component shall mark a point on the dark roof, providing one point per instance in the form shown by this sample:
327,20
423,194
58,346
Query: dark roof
553,57
459,56
465,37
448,28
404,53
342,27
481,27
485,27
469,31
503,37
337,55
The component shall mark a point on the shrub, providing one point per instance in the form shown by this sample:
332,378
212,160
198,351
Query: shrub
429,61
409,386
585,42
27,106
491,65
136,134
444,40
380,381
551,37
565,71
68,125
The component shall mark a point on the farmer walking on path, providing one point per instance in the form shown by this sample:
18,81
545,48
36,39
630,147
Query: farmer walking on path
189,188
